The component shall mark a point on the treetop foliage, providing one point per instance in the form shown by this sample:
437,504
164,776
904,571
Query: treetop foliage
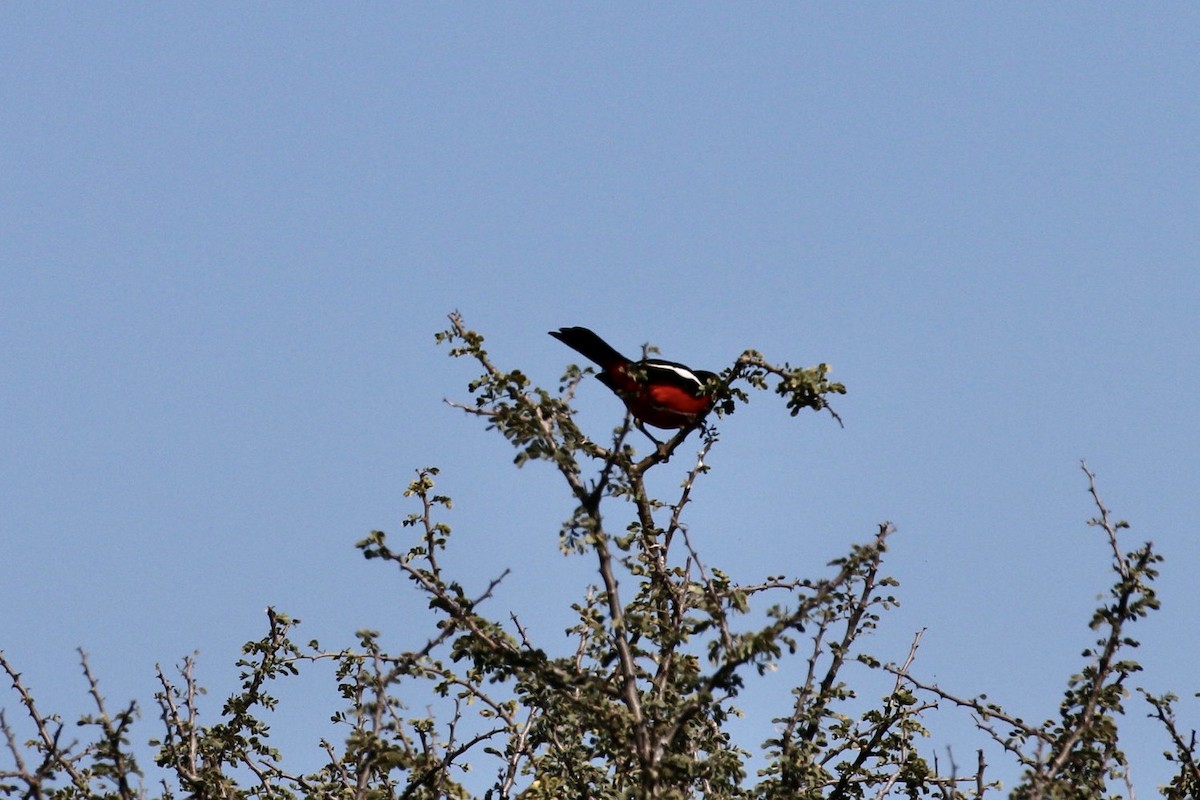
636,701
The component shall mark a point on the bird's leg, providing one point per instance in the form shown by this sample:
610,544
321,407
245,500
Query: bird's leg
662,447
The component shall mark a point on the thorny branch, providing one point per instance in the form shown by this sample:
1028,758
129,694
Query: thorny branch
55,757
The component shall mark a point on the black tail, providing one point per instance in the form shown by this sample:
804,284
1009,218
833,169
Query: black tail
590,346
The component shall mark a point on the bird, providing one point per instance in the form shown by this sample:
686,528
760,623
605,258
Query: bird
657,392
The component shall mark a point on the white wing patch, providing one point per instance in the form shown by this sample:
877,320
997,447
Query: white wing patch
682,372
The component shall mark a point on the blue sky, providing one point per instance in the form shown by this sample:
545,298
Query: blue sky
229,232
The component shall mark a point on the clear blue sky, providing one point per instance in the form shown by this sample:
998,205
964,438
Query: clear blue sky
228,233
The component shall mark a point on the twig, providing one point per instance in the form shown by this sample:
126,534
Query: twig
54,756
1104,521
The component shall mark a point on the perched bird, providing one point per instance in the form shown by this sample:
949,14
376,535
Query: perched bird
656,392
